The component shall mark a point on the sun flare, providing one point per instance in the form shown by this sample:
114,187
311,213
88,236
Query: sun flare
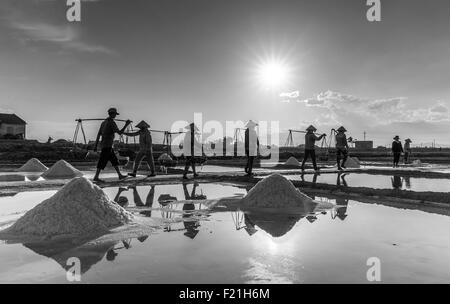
273,74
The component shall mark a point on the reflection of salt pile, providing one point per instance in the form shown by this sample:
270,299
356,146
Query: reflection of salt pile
62,169
292,161
33,165
79,208
275,191
352,162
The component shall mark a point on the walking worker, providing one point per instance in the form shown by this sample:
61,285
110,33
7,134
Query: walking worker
397,150
191,148
341,147
145,148
310,146
407,150
107,132
251,145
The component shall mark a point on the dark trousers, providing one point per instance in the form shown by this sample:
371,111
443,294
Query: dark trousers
190,161
341,152
107,155
406,157
311,153
396,158
140,156
249,165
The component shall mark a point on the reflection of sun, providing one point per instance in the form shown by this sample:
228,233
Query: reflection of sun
273,74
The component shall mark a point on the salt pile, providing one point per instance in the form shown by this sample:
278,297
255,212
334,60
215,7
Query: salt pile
79,208
33,165
165,158
275,191
62,169
417,162
352,162
292,161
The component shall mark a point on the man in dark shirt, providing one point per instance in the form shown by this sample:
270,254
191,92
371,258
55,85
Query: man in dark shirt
397,150
107,132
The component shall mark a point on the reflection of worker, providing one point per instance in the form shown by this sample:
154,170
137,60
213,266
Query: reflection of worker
340,177
121,200
137,198
191,148
310,146
341,212
407,150
148,202
107,131
112,254
251,145
145,148
192,195
397,150
190,226
396,182
341,147
407,180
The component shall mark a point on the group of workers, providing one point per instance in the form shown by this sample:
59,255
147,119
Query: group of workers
192,147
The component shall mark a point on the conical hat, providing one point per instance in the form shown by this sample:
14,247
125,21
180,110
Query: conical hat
311,128
142,125
408,140
251,124
188,127
342,129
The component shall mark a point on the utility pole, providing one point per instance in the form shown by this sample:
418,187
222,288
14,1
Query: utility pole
365,135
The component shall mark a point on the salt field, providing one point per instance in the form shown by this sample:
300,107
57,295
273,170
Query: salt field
221,245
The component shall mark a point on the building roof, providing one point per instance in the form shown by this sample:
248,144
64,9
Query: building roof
12,119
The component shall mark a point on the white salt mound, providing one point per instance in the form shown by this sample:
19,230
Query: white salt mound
352,162
33,165
417,162
164,157
62,169
78,208
275,191
292,161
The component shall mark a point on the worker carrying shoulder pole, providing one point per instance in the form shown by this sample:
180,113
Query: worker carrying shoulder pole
341,147
310,146
191,148
145,148
408,151
397,150
107,131
251,145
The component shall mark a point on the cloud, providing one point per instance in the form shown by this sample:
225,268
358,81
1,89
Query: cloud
340,107
64,36
290,96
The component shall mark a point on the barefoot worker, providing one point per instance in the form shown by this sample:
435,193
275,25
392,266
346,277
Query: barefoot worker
397,150
191,148
310,146
251,145
107,131
145,148
408,151
341,147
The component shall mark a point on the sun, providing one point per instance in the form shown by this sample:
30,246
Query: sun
273,74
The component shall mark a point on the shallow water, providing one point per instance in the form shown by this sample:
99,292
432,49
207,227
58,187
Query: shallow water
377,181
233,247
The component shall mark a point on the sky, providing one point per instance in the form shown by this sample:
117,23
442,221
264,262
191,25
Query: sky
164,60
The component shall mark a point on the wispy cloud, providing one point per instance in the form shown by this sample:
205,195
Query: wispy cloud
64,36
